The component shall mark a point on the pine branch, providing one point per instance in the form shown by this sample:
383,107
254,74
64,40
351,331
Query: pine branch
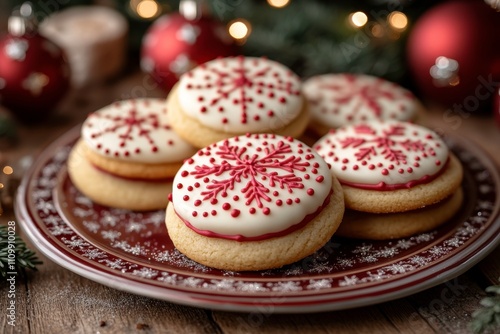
24,257
488,316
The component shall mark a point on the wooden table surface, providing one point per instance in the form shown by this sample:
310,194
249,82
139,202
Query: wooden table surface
55,300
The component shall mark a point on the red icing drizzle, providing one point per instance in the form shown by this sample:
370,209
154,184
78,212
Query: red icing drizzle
241,238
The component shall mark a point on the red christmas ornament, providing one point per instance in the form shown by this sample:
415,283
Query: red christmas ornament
33,73
176,43
453,50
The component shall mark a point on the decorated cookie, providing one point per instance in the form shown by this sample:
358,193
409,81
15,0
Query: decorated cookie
128,143
336,100
390,166
233,96
253,202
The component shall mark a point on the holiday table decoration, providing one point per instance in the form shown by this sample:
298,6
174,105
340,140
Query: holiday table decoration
453,53
94,39
176,43
33,72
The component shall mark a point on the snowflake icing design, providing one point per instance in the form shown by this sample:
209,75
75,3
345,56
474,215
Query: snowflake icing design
125,125
385,144
242,166
366,96
238,81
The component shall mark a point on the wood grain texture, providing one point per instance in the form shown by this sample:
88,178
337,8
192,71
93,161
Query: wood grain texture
55,300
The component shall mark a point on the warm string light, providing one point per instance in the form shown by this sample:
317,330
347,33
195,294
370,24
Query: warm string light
239,29
396,23
358,19
7,170
397,20
146,9
278,3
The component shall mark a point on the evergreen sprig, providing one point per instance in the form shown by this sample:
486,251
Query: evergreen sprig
488,316
24,257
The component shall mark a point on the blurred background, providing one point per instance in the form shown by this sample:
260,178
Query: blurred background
441,50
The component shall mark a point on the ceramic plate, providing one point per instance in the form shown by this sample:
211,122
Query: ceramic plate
132,251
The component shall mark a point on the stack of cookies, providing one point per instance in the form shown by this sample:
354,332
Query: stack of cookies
128,155
244,193
399,178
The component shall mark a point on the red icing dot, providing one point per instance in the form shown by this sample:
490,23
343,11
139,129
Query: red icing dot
252,210
185,198
203,109
270,113
266,211
184,173
345,161
170,197
236,198
371,166
205,214
190,188
289,201
214,201
297,200
226,206
275,193
197,202
385,172
279,202
307,176
355,167
213,212
320,179
409,169
235,213
438,162
196,185
179,186
310,191
195,213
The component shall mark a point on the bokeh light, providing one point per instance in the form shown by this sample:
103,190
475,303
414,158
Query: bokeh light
358,19
239,29
8,170
278,3
398,20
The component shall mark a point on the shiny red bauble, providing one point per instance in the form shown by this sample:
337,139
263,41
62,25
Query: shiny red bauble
173,45
452,50
34,75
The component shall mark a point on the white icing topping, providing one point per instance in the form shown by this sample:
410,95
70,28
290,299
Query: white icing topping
251,185
383,151
240,95
135,130
339,99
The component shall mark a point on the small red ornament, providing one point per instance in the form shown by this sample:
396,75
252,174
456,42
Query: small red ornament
176,43
34,75
452,50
